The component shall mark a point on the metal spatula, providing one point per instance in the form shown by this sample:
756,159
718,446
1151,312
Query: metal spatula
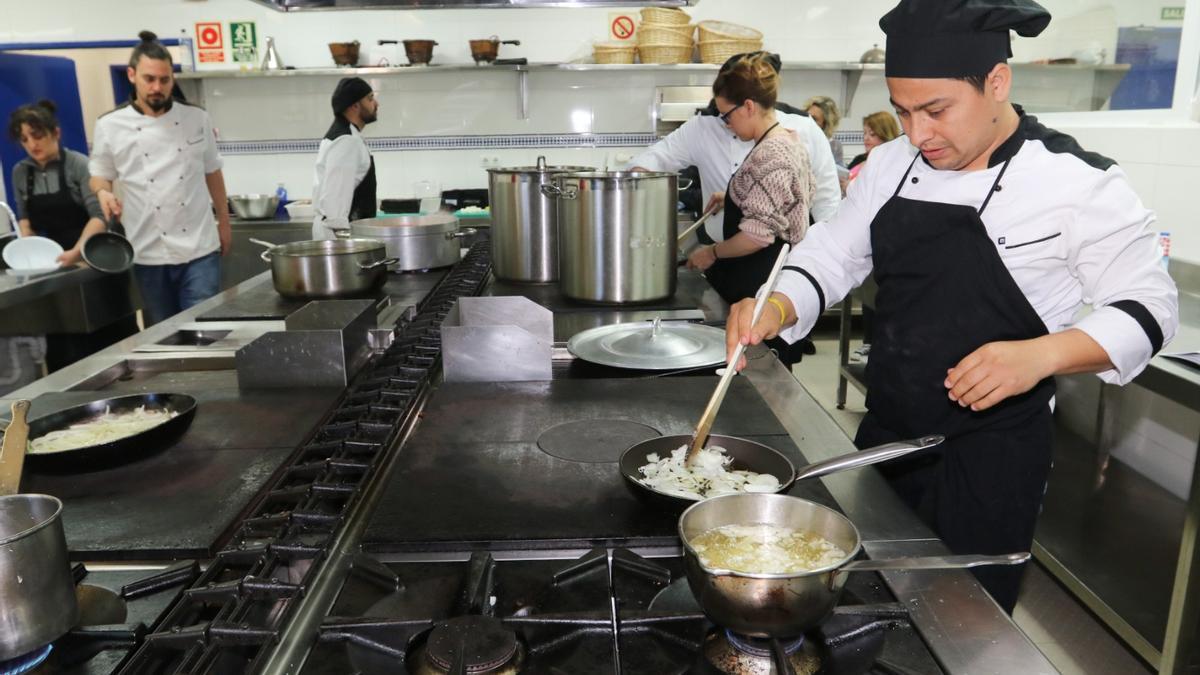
718,396
12,452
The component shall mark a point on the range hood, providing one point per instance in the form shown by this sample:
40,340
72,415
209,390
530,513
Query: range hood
302,5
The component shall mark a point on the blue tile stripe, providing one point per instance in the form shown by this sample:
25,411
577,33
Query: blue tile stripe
410,143
849,137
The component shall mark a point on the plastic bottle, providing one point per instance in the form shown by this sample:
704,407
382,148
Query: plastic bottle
1164,245
187,59
281,192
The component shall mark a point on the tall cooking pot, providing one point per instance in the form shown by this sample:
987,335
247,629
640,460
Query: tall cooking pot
525,222
416,242
37,591
616,235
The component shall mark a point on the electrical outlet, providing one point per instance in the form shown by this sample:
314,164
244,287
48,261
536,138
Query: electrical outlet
489,161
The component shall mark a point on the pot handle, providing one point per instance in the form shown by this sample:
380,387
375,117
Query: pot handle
341,232
265,255
879,453
510,42
686,185
551,191
935,562
459,234
366,267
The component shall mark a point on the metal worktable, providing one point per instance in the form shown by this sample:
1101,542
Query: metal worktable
74,300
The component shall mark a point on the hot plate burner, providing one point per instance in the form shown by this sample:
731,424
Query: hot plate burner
736,654
471,644
26,663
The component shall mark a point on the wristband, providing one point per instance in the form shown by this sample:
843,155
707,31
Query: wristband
782,310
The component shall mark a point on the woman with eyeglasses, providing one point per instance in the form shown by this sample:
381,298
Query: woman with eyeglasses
768,198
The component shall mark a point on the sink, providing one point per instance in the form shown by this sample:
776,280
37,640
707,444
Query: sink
211,336
194,338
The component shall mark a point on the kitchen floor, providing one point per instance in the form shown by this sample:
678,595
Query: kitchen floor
1066,632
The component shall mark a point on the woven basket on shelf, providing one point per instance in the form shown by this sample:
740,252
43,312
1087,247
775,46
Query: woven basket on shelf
676,17
613,52
660,34
665,53
719,51
723,30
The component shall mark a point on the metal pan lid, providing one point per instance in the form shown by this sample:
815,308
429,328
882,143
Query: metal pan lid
651,345
406,226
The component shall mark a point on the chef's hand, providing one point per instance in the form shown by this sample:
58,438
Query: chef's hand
716,201
702,258
738,328
109,204
225,234
997,371
69,258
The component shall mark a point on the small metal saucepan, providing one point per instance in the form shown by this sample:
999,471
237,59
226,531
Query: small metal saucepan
750,456
327,268
788,604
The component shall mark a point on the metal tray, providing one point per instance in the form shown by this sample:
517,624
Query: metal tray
651,345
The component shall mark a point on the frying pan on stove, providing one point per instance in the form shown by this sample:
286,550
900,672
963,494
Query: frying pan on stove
748,455
120,451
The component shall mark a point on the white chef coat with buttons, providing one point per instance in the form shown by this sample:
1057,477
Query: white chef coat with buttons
161,163
342,163
1065,222
706,143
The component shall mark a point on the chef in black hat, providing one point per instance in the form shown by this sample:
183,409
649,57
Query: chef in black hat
986,232
344,184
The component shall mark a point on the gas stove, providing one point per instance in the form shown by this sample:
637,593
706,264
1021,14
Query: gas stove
608,611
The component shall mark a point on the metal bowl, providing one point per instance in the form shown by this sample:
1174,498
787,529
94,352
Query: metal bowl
254,207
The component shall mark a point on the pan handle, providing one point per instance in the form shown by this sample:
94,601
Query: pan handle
879,453
366,267
459,234
935,562
265,255
510,42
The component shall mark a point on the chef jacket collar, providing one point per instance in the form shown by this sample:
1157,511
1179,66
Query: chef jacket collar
134,104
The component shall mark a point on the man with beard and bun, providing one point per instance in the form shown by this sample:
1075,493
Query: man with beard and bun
344,181
164,154
986,232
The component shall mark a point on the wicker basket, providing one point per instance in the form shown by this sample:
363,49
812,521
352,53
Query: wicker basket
613,52
674,17
665,53
723,30
719,51
660,34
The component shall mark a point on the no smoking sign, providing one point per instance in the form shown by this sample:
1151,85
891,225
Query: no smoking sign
621,26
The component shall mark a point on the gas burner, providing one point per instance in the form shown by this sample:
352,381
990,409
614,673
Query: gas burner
471,644
736,654
26,663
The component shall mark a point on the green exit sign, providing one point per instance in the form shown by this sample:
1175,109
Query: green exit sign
1172,14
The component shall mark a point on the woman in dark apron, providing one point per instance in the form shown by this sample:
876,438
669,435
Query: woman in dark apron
53,201
767,199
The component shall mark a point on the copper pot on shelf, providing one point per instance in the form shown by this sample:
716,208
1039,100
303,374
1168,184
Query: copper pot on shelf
419,52
344,53
485,51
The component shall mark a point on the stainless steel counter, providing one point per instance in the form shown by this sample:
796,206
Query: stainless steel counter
74,300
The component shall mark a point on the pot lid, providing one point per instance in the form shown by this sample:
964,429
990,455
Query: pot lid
317,247
542,167
406,226
651,345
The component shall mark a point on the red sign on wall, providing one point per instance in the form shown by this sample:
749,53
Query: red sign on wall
209,36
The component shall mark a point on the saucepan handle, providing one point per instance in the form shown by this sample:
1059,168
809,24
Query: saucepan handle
551,191
265,255
365,267
879,453
459,234
935,562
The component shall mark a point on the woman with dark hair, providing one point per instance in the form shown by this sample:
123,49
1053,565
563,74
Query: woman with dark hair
768,198
51,184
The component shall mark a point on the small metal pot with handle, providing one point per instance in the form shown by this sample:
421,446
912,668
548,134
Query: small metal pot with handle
37,590
327,268
416,242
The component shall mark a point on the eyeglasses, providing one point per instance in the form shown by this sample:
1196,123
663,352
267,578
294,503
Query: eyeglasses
725,116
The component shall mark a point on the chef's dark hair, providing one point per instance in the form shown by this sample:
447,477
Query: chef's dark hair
979,82
39,116
149,47
753,77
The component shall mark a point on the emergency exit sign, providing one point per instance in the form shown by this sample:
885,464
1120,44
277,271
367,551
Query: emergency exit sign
1172,14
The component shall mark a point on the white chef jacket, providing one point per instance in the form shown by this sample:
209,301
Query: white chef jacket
342,163
1066,223
706,143
161,163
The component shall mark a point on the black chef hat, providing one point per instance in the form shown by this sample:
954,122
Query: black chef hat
955,38
349,91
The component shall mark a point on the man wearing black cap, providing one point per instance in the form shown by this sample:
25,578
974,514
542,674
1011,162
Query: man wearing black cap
986,232
344,185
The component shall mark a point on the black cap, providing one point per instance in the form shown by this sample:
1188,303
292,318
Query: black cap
955,38
349,91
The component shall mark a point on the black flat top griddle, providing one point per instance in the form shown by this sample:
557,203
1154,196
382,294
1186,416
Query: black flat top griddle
178,503
474,472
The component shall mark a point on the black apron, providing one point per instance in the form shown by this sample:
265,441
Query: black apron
364,203
739,278
943,293
55,215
